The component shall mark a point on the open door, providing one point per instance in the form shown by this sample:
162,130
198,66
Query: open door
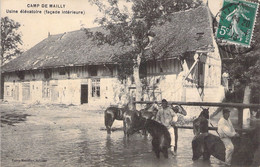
84,94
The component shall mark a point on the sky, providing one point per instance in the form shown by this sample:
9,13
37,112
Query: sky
36,26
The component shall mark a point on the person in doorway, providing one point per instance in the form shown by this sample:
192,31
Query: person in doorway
226,132
168,118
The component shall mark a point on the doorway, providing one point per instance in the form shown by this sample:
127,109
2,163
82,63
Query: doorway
26,91
84,94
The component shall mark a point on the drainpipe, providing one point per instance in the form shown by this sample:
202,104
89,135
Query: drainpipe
1,79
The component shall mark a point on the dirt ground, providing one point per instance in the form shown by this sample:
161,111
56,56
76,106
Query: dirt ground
14,113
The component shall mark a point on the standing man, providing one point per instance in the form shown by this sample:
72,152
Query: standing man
226,132
167,117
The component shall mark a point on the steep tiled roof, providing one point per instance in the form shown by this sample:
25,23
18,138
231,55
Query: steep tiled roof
187,31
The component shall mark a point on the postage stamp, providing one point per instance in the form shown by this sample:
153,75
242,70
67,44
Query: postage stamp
237,21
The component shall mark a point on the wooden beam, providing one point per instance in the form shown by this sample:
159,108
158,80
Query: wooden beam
191,127
239,130
237,105
193,65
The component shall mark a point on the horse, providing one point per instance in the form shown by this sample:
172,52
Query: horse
207,145
148,113
200,124
151,111
111,114
128,117
161,139
245,147
114,113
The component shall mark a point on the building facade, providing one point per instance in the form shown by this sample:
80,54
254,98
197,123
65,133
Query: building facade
73,85
183,64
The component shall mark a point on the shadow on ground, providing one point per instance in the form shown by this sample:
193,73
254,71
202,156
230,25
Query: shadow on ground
12,117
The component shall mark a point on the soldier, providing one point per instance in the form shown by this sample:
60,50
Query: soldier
168,118
226,132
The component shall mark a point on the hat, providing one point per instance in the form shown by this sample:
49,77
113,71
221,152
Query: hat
164,100
225,110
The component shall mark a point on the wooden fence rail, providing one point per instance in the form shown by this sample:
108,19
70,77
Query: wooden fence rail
191,127
237,105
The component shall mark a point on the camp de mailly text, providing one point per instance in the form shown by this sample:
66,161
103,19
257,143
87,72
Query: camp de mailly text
45,6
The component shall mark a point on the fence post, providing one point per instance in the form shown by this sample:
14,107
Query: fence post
240,118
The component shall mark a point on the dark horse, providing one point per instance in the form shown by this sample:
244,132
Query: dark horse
245,147
207,145
200,124
161,139
151,111
148,113
112,113
128,118
115,113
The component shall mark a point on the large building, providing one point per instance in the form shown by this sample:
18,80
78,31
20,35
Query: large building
183,64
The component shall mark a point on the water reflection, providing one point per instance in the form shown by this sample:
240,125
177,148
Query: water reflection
84,144
118,150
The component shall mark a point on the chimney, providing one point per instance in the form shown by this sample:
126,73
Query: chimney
49,34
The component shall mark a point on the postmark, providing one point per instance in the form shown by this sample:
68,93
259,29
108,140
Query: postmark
236,23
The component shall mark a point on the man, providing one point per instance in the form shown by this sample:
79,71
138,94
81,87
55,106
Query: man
167,117
226,132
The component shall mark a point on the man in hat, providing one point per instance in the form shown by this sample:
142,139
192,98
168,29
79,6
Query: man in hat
167,117
226,132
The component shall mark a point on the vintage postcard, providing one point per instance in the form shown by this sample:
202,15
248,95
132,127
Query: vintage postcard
129,83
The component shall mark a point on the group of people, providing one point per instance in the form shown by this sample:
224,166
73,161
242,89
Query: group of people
226,131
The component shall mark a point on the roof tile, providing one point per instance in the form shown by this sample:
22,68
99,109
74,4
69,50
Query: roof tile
187,31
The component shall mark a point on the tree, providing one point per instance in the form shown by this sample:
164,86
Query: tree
10,40
133,29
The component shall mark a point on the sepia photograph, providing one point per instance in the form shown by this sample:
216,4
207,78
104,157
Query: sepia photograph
149,83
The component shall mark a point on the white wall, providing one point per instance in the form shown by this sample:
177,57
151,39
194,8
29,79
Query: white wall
167,87
36,91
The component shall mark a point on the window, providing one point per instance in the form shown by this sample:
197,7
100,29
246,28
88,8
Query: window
8,90
200,74
46,89
95,88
